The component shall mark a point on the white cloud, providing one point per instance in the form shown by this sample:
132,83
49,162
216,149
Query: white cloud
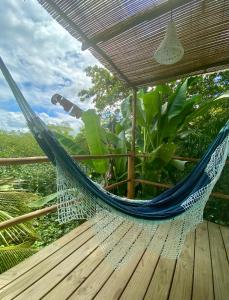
42,57
14,121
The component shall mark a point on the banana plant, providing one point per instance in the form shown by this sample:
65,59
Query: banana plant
163,116
100,140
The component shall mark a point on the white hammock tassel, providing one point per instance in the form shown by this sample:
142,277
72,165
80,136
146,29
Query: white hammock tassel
170,50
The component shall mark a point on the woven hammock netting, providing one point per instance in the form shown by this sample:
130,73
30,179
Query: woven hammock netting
124,227
74,202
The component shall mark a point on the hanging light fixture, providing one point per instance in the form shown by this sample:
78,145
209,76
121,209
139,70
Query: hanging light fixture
170,50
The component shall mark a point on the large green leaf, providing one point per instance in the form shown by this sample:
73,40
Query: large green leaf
126,107
163,89
121,163
96,139
174,124
69,143
112,138
166,151
140,114
177,101
42,201
179,164
74,146
155,153
151,104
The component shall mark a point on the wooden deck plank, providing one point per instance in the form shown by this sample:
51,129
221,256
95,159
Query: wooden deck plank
78,275
96,280
202,281
181,288
74,267
41,255
225,234
47,282
219,263
160,284
144,270
21,284
117,281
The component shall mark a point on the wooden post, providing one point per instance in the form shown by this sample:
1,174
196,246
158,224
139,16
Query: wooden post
131,158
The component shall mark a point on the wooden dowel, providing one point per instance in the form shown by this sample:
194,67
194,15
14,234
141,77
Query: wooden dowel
114,185
44,211
131,182
191,159
27,217
157,184
44,159
183,158
167,186
131,158
220,195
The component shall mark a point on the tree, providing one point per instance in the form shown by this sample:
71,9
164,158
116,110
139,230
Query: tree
209,86
106,89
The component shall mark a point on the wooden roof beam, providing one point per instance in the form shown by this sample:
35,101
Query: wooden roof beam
134,20
202,69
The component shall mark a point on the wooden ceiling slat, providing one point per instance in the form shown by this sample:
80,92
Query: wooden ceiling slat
124,34
132,21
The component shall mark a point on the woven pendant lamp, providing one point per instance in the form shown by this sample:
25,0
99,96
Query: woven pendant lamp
170,50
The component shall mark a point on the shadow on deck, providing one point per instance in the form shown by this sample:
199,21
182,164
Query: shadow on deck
73,267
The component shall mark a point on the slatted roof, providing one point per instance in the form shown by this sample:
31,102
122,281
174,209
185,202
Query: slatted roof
124,34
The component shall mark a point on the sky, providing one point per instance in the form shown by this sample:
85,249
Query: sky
43,59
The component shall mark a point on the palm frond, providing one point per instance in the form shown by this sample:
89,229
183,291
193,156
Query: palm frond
16,234
16,203
10,184
12,255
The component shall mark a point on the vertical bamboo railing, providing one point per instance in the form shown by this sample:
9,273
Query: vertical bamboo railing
131,157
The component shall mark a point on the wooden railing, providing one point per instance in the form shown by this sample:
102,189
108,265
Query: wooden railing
44,159
130,178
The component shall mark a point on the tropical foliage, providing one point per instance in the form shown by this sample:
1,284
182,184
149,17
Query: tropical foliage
164,116
16,241
106,89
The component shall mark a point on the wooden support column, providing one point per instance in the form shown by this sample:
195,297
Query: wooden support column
131,158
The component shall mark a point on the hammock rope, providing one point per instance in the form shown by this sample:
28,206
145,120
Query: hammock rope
178,210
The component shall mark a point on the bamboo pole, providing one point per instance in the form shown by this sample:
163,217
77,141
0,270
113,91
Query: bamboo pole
184,158
167,186
131,157
44,159
114,185
27,217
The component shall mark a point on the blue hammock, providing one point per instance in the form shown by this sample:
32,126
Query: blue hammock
169,204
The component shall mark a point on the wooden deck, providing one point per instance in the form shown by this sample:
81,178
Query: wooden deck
73,267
